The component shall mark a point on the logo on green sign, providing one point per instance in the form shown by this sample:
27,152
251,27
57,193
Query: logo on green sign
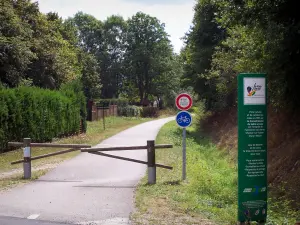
252,90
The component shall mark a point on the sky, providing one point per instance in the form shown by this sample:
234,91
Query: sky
176,14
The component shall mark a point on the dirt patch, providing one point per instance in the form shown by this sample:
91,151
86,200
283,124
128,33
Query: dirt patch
283,145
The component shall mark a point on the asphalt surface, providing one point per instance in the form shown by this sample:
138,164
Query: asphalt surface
85,190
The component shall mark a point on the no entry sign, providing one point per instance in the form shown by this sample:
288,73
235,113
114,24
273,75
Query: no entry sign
184,101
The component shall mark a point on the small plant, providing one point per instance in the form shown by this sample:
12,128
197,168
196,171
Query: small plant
129,111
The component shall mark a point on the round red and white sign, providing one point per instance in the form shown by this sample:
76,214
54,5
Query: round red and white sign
184,101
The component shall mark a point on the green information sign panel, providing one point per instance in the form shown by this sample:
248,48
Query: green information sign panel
252,147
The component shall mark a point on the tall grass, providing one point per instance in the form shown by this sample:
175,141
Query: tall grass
210,190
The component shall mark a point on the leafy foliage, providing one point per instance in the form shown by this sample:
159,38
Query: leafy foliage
230,37
104,40
147,53
40,114
118,101
113,58
129,111
42,48
201,41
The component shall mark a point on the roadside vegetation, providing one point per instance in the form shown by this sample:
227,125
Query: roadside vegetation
52,70
60,65
232,37
208,196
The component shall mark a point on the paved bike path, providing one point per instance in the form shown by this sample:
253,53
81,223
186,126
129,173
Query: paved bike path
88,187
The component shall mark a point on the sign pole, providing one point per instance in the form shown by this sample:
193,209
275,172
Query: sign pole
252,148
183,153
27,158
103,118
184,119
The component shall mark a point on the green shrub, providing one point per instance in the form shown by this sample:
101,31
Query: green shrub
74,91
152,112
40,114
129,111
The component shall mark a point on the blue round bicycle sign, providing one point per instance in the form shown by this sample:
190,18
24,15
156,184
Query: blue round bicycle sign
184,119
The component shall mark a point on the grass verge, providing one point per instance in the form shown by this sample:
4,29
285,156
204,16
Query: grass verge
209,196
11,175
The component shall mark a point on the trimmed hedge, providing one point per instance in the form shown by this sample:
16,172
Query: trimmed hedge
40,114
130,111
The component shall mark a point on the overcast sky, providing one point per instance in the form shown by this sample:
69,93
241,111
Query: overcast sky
176,14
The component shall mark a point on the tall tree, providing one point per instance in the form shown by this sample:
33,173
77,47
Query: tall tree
261,36
147,51
33,47
167,86
201,41
105,41
89,31
113,55
57,60
15,45
90,75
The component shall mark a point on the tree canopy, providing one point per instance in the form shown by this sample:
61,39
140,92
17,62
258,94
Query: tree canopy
116,57
147,54
230,37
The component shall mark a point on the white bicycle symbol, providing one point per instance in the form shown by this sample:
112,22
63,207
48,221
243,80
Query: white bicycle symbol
183,119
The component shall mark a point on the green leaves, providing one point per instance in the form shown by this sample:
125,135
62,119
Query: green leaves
15,53
112,58
40,114
35,46
230,37
201,41
104,41
147,53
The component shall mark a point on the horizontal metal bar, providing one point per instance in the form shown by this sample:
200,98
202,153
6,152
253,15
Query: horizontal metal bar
113,148
16,162
85,148
125,148
163,146
130,160
47,155
59,145
50,145
163,166
16,144
119,157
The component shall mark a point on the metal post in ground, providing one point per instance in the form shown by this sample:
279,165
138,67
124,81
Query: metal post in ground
184,154
27,158
151,162
103,117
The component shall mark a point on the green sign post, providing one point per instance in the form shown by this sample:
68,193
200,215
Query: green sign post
252,148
